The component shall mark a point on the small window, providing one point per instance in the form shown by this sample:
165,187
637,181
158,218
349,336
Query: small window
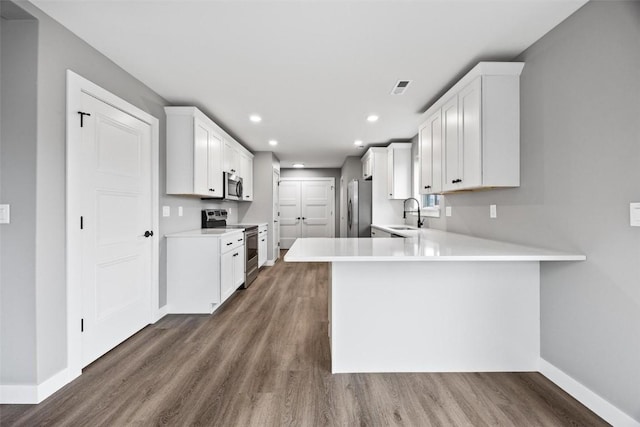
431,205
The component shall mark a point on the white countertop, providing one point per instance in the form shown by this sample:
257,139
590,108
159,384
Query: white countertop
206,232
427,245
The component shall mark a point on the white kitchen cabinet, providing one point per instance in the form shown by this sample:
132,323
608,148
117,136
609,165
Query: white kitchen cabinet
480,118
231,154
232,268
367,164
262,244
246,172
194,153
202,270
430,154
399,170
376,232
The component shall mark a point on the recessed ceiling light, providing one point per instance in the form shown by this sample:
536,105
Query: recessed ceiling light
357,143
298,165
255,118
372,118
273,142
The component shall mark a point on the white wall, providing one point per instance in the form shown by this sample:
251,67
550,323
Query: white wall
580,168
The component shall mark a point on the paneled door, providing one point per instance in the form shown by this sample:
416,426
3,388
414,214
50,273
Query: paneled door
306,209
290,216
116,226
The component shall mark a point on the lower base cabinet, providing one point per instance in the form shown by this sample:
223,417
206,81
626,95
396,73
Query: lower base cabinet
203,271
262,245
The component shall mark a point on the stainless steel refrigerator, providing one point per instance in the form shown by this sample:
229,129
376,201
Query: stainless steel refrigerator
359,208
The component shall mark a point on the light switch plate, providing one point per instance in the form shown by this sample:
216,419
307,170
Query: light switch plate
166,211
447,211
180,212
634,214
5,214
493,211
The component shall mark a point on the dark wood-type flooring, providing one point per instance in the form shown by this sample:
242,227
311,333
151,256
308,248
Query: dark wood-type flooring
263,360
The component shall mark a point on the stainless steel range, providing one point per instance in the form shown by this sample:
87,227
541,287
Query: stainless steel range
217,218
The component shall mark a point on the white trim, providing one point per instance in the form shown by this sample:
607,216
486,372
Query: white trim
270,263
588,398
161,312
76,85
33,394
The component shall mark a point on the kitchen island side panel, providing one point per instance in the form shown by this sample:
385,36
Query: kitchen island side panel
434,316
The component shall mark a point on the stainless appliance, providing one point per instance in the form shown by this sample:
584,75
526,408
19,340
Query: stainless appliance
232,186
217,218
359,208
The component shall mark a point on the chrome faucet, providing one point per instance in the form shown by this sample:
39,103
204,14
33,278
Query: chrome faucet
404,207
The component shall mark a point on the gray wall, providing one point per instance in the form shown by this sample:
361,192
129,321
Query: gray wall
580,143
18,56
261,209
319,173
58,50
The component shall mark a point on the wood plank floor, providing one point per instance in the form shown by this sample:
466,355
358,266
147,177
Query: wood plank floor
263,360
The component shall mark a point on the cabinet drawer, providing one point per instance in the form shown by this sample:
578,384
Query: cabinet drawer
228,243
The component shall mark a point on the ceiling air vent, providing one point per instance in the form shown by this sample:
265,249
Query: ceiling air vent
400,87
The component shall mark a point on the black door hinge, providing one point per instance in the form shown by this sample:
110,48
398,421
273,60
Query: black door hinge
82,114
81,325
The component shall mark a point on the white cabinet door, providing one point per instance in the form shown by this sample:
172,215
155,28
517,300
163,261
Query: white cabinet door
262,249
214,165
399,171
200,157
231,157
367,165
238,267
290,217
430,148
469,119
227,272
451,145
246,172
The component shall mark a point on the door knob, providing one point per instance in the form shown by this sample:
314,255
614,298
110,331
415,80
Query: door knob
148,233
298,217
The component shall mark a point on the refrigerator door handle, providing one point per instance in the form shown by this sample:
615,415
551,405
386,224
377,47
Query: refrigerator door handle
349,215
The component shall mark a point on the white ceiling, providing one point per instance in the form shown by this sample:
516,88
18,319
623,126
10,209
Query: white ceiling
313,70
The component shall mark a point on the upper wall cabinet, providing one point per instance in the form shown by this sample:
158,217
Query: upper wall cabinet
399,170
246,172
430,154
471,136
367,165
197,155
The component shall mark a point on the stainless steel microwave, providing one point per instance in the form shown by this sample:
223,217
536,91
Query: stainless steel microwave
232,186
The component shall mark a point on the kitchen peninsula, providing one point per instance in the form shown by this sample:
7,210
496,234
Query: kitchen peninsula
435,302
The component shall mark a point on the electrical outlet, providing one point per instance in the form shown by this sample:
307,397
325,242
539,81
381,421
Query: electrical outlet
180,212
634,214
493,211
447,211
5,214
166,211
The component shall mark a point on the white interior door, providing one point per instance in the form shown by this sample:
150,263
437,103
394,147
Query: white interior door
116,212
290,216
317,200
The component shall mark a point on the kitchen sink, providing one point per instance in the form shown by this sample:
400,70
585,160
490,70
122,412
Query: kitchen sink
402,228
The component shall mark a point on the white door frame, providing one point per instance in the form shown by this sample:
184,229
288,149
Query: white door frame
332,180
76,86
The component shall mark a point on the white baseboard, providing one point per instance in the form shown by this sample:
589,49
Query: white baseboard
161,312
270,263
588,398
33,394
